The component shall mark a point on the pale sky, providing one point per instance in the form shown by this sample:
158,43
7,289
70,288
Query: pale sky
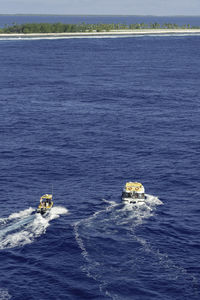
100,7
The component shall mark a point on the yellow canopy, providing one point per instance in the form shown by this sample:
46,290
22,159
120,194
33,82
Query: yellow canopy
47,196
133,186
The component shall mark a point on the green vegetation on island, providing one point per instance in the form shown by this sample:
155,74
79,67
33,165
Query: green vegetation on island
83,27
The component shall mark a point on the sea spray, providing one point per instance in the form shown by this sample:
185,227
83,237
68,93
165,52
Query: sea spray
23,227
103,224
4,295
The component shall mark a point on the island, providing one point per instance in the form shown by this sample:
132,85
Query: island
56,30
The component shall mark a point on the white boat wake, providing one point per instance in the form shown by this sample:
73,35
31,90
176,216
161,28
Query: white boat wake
106,224
4,295
110,242
23,227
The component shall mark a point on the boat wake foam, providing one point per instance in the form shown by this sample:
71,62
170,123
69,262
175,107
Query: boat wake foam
106,225
92,264
115,230
23,227
4,295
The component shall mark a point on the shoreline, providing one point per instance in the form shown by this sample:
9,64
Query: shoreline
103,33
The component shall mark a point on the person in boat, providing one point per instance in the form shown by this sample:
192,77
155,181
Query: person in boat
48,203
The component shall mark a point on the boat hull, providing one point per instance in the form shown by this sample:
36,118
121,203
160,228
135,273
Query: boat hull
134,200
44,210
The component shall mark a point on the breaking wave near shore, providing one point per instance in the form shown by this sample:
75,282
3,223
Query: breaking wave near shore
23,227
111,35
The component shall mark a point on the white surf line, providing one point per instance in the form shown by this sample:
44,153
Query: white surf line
102,36
122,32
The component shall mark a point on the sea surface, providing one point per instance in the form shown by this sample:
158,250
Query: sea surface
106,19
83,116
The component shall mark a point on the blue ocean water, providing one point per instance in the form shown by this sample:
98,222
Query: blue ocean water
87,115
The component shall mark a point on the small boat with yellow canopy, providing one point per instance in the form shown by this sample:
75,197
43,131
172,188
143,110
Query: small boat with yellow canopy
133,192
46,204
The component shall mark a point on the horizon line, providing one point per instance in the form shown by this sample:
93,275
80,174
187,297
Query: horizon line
96,15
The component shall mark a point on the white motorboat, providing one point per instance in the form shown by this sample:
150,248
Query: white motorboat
133,192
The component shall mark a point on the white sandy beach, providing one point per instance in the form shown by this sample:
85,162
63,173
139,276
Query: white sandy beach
106,33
